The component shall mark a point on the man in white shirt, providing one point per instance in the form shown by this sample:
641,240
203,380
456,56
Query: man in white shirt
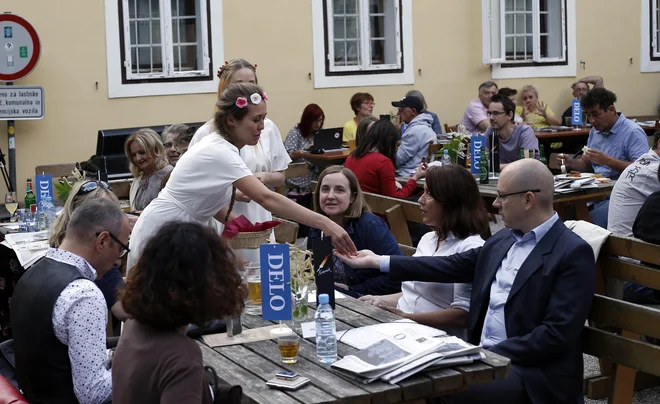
59,316
635,184
532,288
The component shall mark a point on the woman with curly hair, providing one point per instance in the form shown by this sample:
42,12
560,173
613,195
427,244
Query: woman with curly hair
148,164
186,274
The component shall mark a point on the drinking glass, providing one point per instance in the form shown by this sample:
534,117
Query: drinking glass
11,204
253,279
289,344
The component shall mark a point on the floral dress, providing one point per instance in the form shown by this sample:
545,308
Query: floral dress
296,142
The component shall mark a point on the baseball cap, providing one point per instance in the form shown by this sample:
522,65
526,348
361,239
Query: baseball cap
410,102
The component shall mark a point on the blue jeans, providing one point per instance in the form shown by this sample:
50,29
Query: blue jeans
598,214
639,294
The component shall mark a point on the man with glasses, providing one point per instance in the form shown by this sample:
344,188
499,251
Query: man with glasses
614,143
59,316
511,137
532,287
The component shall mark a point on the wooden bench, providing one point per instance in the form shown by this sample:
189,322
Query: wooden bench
286,232
615,327
294,170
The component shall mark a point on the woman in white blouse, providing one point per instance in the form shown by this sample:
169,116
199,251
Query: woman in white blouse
209,175
452,207
267,159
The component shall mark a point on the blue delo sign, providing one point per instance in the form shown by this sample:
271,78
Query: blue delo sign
44,187
275,282
576,113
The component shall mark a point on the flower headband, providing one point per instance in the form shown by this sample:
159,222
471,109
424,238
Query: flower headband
221,68
255,99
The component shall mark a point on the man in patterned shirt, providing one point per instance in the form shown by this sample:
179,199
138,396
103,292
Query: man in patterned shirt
59,316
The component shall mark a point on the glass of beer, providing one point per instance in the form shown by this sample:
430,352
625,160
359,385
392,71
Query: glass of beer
11,204
289,344
253,278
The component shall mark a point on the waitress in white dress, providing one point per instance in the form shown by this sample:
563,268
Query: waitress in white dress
204,181
267,159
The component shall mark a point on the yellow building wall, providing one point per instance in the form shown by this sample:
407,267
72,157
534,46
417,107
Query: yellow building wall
277,36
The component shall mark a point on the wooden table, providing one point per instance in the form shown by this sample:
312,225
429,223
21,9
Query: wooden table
252,364
324,160
572,140
561,201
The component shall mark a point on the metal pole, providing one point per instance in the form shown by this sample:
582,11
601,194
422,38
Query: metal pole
11,139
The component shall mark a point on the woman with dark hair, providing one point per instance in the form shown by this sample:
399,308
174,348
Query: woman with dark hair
186,274
301,137
363,127
373,162
338,196
207,178
452,207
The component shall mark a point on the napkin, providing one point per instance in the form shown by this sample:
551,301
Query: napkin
242,225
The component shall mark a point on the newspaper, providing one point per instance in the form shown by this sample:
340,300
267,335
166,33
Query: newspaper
29,247
407,349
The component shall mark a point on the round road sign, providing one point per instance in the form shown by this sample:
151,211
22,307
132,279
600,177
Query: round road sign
19,47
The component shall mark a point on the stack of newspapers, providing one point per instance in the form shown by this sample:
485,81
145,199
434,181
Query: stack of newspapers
394,351
29,247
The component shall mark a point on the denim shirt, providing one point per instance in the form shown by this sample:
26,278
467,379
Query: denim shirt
367,232
625,141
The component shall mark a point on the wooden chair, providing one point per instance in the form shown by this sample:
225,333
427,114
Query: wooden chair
286,232
433,149
56,170
450,129
294,170
615,327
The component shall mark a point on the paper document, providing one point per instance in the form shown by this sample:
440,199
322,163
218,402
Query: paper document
29,247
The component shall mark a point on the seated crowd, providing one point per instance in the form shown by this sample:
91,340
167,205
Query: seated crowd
523,293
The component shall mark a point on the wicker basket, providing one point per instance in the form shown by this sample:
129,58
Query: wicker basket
250,240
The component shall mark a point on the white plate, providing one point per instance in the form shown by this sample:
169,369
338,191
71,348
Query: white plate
566,177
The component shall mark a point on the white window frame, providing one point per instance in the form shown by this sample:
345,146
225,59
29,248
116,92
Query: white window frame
118,89
542,67
648,50
324,79
364,31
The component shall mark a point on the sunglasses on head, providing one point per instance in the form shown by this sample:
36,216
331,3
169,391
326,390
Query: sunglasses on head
90,186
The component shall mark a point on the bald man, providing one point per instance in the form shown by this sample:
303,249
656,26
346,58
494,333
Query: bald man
532,286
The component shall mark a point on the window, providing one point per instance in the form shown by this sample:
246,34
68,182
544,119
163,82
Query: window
655,29
364,38
525,32
173,31
363,35
162,47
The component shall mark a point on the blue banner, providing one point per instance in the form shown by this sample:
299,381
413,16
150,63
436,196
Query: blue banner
275,282
576,113
475,152
44,187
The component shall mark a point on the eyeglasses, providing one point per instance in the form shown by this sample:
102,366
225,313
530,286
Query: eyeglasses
502,196
125,250
90,186
495,113
368,103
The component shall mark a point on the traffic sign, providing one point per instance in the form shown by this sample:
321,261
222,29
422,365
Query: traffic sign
20,103
20,47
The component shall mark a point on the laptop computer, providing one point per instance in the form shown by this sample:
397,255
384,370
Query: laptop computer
328,139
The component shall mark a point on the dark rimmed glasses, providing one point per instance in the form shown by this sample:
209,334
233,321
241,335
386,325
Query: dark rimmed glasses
125,250
502,196
90,186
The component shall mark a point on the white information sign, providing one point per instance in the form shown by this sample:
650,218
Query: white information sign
21,103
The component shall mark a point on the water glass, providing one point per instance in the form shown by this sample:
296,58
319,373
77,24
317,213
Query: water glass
289,345
252,273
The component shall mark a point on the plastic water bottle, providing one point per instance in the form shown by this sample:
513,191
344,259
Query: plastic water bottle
445,160
326,342
41,215
49,212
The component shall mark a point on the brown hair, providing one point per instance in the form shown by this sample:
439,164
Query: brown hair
149,140
363,127
186,274
463,210
227,106
357,99
226,73
357,207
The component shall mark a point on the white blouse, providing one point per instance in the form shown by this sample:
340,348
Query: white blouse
424,297
269,155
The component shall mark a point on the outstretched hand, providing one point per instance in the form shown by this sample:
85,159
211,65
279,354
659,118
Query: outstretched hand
340,239
363,259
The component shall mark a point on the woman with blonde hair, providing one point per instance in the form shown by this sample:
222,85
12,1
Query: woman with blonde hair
148,164
533,112
112,281
339,197
267,159
209,175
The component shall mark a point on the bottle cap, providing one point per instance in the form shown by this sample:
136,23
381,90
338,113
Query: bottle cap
324,299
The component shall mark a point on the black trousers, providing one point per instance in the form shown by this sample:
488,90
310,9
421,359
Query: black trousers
508,391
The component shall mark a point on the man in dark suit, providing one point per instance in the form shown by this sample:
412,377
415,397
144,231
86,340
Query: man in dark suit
532,286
